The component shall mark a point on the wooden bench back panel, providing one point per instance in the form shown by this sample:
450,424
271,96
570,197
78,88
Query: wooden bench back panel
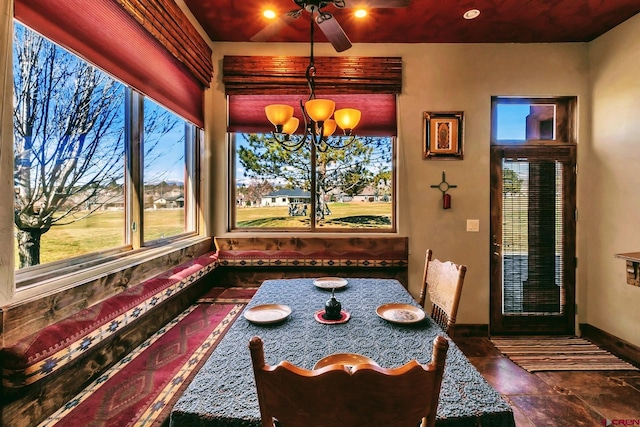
371,245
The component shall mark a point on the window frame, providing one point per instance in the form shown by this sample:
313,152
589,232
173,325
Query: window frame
54,275
313,227
563,149
565,130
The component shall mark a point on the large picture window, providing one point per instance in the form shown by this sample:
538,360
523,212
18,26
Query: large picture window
72,197
354,186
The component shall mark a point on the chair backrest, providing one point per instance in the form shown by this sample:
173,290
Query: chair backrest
442,281
341,396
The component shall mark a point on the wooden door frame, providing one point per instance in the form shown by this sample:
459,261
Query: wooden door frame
548,325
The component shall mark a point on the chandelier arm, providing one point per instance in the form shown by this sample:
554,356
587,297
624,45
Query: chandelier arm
333,142
292,146
311,68
285,141
307,121
314,131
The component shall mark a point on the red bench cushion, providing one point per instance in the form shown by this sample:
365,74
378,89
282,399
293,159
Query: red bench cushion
38,355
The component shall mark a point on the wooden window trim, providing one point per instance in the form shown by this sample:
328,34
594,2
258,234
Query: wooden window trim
566,132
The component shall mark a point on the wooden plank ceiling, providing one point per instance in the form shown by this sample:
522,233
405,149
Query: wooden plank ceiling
427,21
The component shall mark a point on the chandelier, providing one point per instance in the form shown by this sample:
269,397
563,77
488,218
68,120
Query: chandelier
319,126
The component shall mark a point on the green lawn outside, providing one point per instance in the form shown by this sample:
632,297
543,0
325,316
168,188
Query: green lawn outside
343,215
101,231
105,229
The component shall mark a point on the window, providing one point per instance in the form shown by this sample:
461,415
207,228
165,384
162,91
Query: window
72,197
516,120
273,187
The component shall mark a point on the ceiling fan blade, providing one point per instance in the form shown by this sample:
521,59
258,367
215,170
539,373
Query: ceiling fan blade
271,30
333,31
376,3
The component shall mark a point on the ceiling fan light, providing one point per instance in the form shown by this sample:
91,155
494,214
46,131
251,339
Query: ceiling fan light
471,14
360,13
291,126
269,14
319,110
278,114
347,118
328,128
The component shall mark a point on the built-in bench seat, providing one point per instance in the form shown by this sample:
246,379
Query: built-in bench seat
43,370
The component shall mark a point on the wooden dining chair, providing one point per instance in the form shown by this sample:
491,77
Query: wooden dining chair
443,282
337,395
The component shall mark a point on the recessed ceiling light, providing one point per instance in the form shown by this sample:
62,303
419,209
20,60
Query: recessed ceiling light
360,13
269,14
471,14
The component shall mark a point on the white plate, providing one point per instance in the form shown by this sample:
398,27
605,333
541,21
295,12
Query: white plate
400,313
348,359
267,313
330,282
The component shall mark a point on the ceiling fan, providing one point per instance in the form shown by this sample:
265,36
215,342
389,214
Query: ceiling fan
325,20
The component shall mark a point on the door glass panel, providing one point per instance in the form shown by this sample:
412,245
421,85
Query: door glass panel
532,237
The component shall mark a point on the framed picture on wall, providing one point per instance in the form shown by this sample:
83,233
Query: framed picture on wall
442,135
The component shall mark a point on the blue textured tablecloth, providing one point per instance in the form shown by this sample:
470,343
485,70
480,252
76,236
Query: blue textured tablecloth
223,392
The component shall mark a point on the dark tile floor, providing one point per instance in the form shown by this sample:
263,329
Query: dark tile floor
557,398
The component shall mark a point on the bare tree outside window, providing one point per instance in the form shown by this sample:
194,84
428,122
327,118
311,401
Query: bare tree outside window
68,140
69,149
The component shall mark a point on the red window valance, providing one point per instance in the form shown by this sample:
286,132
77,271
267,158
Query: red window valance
105,34
246,112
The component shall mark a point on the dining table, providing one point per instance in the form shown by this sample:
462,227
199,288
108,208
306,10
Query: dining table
223,391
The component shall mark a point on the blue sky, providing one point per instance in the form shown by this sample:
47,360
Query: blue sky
512,121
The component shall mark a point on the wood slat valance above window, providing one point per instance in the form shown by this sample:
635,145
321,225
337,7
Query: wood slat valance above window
285,75
367,83
169,25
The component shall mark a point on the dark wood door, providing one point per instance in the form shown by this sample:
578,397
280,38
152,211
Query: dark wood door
533,213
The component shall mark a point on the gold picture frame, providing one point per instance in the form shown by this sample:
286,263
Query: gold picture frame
442,135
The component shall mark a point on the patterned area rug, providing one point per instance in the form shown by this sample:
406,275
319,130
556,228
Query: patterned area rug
559,354
140,389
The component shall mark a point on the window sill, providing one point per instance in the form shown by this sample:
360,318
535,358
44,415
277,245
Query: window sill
29,286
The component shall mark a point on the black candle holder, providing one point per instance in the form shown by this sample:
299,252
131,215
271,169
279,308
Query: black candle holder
332,308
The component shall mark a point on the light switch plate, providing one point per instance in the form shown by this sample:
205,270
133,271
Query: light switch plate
473,225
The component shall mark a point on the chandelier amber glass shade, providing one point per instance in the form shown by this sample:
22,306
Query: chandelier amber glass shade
279,114
347,118
320,110
328,128
291,126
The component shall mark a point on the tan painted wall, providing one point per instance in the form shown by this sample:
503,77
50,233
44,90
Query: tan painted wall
438,77
612,187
